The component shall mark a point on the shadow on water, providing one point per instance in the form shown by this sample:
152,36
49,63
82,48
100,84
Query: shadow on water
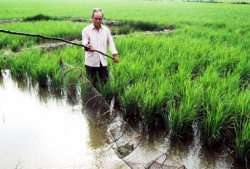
47,128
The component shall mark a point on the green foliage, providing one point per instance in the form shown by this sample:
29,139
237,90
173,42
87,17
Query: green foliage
139,25
38,17
2,63
14,46
242,142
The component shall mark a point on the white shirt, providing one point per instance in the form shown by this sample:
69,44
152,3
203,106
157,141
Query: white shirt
99,41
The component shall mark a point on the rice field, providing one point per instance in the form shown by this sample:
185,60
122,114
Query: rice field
198,72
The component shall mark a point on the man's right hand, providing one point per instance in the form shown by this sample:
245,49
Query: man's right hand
90,48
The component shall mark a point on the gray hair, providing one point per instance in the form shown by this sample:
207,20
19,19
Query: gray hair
97,10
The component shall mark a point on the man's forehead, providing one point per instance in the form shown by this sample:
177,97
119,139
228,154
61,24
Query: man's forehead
98,13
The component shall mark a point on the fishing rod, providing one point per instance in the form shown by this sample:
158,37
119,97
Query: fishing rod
53,38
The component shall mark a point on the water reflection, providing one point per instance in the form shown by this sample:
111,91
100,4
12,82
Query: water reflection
39,130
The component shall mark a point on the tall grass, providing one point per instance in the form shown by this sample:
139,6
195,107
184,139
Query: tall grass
242,115
43,67
242,142
2,63
182,108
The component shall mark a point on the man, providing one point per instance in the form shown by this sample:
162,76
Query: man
97,37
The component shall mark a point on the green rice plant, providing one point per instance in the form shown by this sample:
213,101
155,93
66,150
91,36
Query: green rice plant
129,100
242,116
216,118
227,66
17,66
152,101
218,105
14,46
182,109
72,56
122,30
2,62
37,17
4,40
242,141
55,78
244,73
41,66
40,74
28,64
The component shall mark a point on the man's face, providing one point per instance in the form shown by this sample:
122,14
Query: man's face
97,19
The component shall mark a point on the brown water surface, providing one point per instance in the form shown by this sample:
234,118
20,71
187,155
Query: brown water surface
44,129
41,131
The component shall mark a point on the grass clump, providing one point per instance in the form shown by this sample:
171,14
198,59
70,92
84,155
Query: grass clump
127,27
38,17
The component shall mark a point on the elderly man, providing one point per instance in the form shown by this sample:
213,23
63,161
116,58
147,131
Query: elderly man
97,37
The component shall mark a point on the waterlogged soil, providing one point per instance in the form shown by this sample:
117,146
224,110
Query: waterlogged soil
42,128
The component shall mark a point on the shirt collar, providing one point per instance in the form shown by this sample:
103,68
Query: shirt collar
93,27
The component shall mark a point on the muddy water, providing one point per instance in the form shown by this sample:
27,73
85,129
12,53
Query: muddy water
43,129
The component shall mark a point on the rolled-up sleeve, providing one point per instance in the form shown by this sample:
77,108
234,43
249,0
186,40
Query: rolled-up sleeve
111,44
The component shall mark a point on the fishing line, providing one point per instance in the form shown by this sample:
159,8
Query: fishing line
53,38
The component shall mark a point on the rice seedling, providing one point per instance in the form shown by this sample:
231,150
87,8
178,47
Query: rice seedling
243,71
182,108
242,124
242,142
2,62
17,66
217,100
217,119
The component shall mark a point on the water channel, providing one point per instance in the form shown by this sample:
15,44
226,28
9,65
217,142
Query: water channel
43,129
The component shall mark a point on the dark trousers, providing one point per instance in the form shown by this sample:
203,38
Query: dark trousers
94,73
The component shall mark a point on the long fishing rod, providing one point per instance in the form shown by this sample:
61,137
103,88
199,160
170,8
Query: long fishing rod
53,38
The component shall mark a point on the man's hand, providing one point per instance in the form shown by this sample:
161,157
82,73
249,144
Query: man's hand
115,58
90,48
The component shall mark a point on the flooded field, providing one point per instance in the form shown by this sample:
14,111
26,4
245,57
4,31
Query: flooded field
40,129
